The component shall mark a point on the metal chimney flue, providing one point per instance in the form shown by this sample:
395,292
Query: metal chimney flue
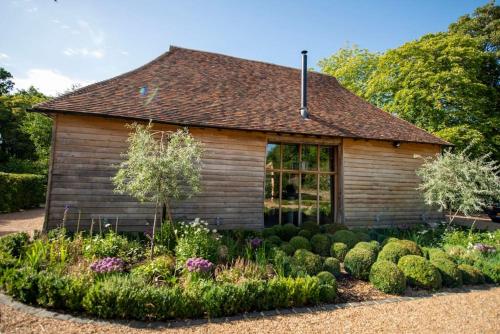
303,87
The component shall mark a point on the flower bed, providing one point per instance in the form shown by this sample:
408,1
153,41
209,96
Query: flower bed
199,272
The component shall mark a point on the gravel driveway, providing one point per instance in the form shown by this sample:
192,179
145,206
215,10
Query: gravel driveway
27,220
473,312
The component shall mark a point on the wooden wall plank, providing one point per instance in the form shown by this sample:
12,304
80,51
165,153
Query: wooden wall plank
380,184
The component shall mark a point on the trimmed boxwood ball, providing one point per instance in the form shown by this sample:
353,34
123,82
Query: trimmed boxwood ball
419,272
436,253
326,277
339,250
347,237
358,262
274,240
287,232
389,239
332,265
387,277
321,244
300,243
287,248
368,245
267,232
311,227
362,236
471,275
450,274
308,260
395,250
332,228
305,233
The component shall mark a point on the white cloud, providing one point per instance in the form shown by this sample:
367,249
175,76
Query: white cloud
84,52
125,53
49,82
3,56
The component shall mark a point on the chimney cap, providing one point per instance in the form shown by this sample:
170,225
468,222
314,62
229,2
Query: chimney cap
304,52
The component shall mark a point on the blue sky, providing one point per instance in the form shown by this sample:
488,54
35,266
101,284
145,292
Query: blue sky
56,44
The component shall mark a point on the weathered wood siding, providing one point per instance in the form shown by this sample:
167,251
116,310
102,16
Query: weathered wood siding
88,148
379,183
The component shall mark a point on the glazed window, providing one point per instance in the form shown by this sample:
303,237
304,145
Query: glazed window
300,184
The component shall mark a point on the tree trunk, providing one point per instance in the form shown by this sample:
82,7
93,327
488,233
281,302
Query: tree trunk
154,231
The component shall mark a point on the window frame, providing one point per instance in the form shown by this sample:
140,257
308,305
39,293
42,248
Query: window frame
334,169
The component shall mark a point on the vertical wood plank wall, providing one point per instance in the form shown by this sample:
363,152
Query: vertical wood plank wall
87,147
380,182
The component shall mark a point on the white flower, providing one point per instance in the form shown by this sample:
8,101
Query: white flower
214,231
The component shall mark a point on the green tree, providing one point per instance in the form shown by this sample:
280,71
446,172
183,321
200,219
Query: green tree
352,66
6,83
159,167
457,183
463,136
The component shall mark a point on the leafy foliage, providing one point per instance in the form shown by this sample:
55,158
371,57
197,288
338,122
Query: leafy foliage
387,277
455,181
420,272
358,262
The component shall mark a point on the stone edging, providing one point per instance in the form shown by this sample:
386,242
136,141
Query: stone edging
44,313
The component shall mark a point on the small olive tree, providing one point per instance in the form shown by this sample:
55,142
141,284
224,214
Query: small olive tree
455,182
159,167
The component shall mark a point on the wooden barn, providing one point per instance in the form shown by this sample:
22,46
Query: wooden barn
281,145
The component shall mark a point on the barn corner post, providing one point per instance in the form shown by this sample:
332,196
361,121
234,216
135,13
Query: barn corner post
49,180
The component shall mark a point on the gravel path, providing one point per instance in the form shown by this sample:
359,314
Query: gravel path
473,312
27,220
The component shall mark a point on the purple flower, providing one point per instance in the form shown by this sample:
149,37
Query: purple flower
255,243
108,265
198,264
483,248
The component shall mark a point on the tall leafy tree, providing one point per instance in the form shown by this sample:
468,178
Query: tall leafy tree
6,83
352,66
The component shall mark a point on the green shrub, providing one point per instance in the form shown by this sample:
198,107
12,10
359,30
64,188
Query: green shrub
326,277
287,248
21,284
61,292
395,250
157,270
332,265
358,262
277,229
287,232
339,250
320,244
196,240
21,191
388,240
305,233
347,237
267,232
300,243
471,275
308,261
436,253
490,267
362,236
112,244
387,277
420,272
274,240
311,227
332,228
450,274
14,243
373,247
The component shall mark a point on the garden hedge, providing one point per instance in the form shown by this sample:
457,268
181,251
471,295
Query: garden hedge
387,277
419,272
21,191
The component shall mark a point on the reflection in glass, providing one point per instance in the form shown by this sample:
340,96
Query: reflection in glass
290,156
309,157
290,199
309,198
273,156
326,159
325,198
271,199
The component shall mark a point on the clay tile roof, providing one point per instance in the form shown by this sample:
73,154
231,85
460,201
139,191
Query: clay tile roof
195,88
